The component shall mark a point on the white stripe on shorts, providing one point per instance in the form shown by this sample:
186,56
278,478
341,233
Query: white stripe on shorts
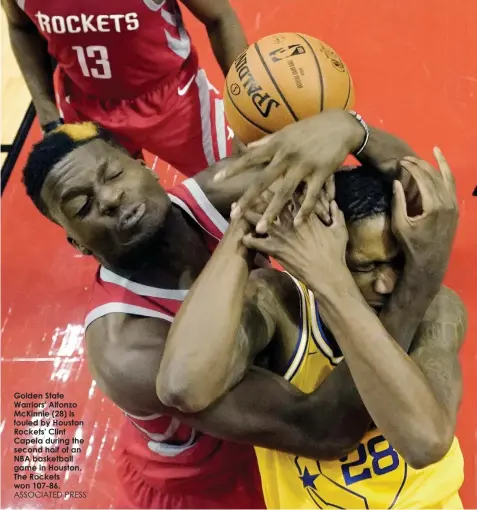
204,99
220,128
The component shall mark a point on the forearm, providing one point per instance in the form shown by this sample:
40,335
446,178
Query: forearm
227,39
32,56
265,410
384,151
336,402
394,390
202,358
407,306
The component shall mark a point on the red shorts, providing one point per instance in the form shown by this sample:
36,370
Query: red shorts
181,121
242,489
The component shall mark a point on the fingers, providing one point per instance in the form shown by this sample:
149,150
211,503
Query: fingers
262,141
337,216
252,217
282,196
260,205
323,211
422,164
330,188
399,210
263,181
238,147
444,167
312,194
245,162
423,180
286,216
262,244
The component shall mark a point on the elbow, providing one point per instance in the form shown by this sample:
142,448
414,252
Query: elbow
430,450
189,390
181,393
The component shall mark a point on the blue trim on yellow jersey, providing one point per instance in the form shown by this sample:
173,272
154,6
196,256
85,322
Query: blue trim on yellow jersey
402,486
331,342
295,351
317,334
301,345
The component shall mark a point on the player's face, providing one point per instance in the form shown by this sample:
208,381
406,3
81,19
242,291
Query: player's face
374,259
109,204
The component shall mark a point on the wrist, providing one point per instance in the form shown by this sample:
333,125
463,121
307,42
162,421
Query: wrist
238,228
231,243
342,286
48,127
359,133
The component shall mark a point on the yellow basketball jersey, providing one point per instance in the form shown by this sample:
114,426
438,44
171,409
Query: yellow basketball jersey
374,475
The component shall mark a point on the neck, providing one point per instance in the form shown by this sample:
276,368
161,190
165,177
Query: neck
173,259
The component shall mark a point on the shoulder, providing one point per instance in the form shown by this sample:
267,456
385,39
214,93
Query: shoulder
446,307
124,353
272,286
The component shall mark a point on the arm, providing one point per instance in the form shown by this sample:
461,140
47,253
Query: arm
436,348
382,151
339,392
226,35
263,410
206,357
207,351
31,52
400,397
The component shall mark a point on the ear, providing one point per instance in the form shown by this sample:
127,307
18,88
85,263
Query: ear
78,246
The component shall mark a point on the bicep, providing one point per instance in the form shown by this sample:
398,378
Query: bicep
124,355
260,410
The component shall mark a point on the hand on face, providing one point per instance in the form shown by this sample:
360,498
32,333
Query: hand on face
427,237
312,252
309,152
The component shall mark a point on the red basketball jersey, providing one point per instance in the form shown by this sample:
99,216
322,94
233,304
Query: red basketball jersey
117,49
172,453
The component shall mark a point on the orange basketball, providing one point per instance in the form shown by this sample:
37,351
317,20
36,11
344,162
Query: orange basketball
283,78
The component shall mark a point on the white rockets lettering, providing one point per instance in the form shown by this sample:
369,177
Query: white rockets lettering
85,23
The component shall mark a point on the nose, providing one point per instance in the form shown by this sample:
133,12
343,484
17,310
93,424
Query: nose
386,281
109,199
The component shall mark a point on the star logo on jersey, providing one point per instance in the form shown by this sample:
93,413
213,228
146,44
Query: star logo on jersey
308,479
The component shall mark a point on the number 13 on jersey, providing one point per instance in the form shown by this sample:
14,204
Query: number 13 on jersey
94,61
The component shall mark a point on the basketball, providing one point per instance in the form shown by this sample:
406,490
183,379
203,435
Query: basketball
281,79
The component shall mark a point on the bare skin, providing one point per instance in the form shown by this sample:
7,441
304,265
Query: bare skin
422,429
31,52
126,351
225,33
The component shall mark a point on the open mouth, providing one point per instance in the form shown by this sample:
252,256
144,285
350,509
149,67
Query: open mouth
131,217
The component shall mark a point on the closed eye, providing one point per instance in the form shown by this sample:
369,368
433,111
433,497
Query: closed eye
114,174
85,208
363,268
